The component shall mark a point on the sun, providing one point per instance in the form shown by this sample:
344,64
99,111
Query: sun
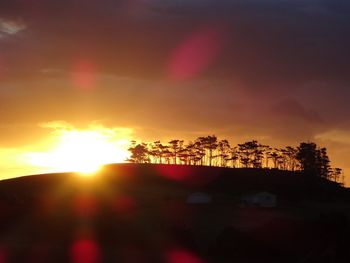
83,151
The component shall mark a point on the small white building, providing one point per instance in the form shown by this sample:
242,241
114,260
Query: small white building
259,199
199,198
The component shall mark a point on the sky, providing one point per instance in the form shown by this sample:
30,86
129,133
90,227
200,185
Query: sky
272,70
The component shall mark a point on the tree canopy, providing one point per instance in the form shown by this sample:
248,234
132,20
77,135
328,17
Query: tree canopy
308,158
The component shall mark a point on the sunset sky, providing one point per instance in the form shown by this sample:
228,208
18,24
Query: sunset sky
272,70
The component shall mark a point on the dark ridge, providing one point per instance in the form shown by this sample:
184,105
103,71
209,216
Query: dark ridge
232,181
140,213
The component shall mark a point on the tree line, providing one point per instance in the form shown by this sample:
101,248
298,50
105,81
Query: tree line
211,151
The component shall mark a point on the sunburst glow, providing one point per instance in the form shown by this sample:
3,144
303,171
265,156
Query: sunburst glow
83,151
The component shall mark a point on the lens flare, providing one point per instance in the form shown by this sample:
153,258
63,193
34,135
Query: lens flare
182,256
85,251
196,53
84,74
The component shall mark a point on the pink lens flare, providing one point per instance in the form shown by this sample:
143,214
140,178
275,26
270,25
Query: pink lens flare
85,251
3,254
176,173
196,53
182,256
84,74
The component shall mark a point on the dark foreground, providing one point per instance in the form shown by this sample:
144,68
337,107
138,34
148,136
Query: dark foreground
140,213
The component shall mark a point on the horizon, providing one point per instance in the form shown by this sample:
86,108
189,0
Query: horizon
192,153
104,73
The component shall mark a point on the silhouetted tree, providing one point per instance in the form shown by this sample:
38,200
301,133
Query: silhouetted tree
244,154
155,152
323,163
335,174
158,152
175,146
313,161
290,154
251,154
210,143
208,150
266,151
224,152
164,152
274,155
233,157
139,153
200,150
307,156
187,154
191,153
183,155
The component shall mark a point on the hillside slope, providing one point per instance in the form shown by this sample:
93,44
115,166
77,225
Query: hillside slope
138,213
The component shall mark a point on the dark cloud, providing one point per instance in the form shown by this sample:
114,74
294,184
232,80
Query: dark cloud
267,41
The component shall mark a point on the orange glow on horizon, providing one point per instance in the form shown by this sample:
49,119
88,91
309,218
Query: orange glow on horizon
82,151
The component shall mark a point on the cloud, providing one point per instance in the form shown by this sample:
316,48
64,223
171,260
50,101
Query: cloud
335,136
60,126
9,27
269,42
168,107
57,125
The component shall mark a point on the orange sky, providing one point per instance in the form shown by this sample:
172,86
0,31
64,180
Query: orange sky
275,71
82,148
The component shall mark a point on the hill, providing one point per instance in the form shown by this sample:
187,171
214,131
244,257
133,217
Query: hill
139,213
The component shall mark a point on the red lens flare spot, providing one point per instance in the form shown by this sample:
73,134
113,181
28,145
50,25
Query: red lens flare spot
3,254
182,256
84,205
196,53
85,251
84,74
177,173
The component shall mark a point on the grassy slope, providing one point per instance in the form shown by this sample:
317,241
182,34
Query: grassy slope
160,182
143,206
